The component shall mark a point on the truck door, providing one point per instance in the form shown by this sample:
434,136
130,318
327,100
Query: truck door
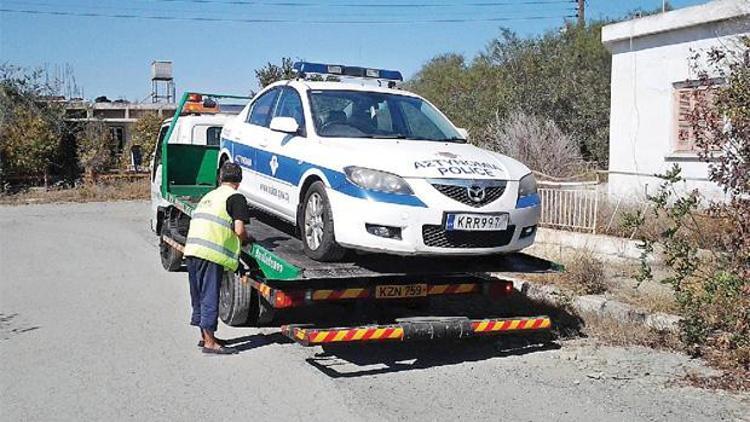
156,198
251,139
282,157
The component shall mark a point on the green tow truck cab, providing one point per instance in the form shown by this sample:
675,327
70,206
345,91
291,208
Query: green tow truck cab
275,275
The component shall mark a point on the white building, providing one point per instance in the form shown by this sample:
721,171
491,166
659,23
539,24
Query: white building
650,73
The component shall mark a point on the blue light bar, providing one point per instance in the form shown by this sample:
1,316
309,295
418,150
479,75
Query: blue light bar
353,71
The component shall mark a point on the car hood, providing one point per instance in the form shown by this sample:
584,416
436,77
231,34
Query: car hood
428,159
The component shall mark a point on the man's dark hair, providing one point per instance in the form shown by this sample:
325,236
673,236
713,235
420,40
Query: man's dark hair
230,173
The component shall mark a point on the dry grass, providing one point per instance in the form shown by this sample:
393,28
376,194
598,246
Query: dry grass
610,217
618,333
584,273
649,302
106,189
704,231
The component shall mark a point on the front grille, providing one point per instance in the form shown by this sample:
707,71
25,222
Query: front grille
438,237
460,192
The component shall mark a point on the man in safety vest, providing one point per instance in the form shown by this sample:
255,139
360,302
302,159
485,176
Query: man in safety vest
217,231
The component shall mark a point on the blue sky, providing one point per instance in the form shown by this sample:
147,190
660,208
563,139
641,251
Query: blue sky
111,56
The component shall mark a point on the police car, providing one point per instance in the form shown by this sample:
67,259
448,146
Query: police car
358,163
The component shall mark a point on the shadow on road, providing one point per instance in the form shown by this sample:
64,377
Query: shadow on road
256,341
352,361
357,360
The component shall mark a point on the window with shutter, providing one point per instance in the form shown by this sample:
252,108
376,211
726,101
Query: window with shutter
685,100
684,103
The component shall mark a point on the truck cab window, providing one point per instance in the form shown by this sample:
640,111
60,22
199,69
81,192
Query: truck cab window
213,136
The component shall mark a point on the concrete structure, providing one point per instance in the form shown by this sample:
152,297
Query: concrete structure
118,116
651,79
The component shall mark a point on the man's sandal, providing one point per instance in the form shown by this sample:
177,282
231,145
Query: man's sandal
221,351
202,343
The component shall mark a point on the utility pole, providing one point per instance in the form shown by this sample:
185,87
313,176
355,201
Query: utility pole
581,13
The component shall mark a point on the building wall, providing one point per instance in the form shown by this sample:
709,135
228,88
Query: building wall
642,122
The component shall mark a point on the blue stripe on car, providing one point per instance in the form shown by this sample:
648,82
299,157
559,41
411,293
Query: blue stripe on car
291,170
528,201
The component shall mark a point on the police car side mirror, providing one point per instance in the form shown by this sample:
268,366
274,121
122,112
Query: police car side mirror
463,132
284,125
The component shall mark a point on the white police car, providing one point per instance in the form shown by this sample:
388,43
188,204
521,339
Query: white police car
357,165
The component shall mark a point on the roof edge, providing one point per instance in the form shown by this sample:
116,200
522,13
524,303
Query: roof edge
714,11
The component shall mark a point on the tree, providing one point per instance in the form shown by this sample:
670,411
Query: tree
95,147
145,134
31,125
29,144
271,73
562,76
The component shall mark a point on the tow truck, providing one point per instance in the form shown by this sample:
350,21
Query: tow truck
276,276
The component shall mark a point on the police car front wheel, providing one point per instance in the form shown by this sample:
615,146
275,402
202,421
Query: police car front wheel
317,226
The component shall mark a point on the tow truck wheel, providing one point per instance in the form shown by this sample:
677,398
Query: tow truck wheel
171,258
317,226
241,305
235,300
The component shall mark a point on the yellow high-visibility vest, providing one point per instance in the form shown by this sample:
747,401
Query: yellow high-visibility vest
211,235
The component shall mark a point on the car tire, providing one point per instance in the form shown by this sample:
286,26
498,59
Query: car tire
235,300
240,305
171,258
316,226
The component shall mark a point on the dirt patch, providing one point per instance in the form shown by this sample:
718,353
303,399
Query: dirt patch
738,381
105,190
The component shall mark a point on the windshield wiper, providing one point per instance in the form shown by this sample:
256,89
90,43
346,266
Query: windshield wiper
453,139
393,136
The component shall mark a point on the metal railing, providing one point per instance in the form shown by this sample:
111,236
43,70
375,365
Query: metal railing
569,205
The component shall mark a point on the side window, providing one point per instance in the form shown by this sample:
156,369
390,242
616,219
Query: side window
157,152
213,136
261,111
290,105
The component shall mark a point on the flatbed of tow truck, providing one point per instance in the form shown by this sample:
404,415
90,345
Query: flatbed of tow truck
276,275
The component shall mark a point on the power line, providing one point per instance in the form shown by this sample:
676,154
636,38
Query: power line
339,14
370,5
274,20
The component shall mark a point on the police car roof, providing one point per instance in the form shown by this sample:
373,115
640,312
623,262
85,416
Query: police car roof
349,85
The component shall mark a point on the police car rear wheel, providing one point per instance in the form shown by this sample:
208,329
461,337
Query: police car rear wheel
317,226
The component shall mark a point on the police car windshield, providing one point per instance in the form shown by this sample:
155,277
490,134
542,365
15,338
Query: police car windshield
361,114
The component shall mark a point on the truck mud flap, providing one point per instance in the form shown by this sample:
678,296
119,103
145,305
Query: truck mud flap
416,329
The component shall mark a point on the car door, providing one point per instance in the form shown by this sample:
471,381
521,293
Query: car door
252,137
282,158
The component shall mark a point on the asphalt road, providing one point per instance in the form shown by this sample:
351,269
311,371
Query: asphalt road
92,328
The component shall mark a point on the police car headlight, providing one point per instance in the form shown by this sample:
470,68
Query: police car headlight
377,180
527,186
